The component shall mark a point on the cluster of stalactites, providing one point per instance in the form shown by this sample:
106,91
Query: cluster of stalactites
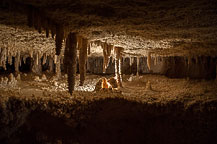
114,52
107,52
38,20
6,57
16,57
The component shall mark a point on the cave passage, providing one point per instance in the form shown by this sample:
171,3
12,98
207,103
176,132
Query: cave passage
107,72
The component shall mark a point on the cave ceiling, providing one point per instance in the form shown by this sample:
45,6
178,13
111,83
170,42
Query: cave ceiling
164,27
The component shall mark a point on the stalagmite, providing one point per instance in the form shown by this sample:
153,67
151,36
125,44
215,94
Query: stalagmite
105,84
149,60
71,59
59,38
118,75
11,77
18,77
113,82
83,61
43,78
148,86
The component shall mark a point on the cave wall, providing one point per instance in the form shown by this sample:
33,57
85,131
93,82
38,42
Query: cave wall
203,67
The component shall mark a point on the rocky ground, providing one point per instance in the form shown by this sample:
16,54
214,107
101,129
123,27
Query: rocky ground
149,108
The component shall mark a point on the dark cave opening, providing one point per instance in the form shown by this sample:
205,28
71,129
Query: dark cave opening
26,66
9,68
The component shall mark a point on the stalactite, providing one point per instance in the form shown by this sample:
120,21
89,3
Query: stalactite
55,59
137,66
189,61
51,64
66,55
89,49
17,61
149,60
45,25
106,55
36,68
31,53
66,32
155,60
71,59
24,58
53,30
61,60
10,59
59,38
3,58
37,59
97,43
79,42
130,61
20,61
118,56
58,68
83,61
44,59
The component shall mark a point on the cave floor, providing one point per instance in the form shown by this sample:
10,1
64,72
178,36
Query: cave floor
144,88
148,109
